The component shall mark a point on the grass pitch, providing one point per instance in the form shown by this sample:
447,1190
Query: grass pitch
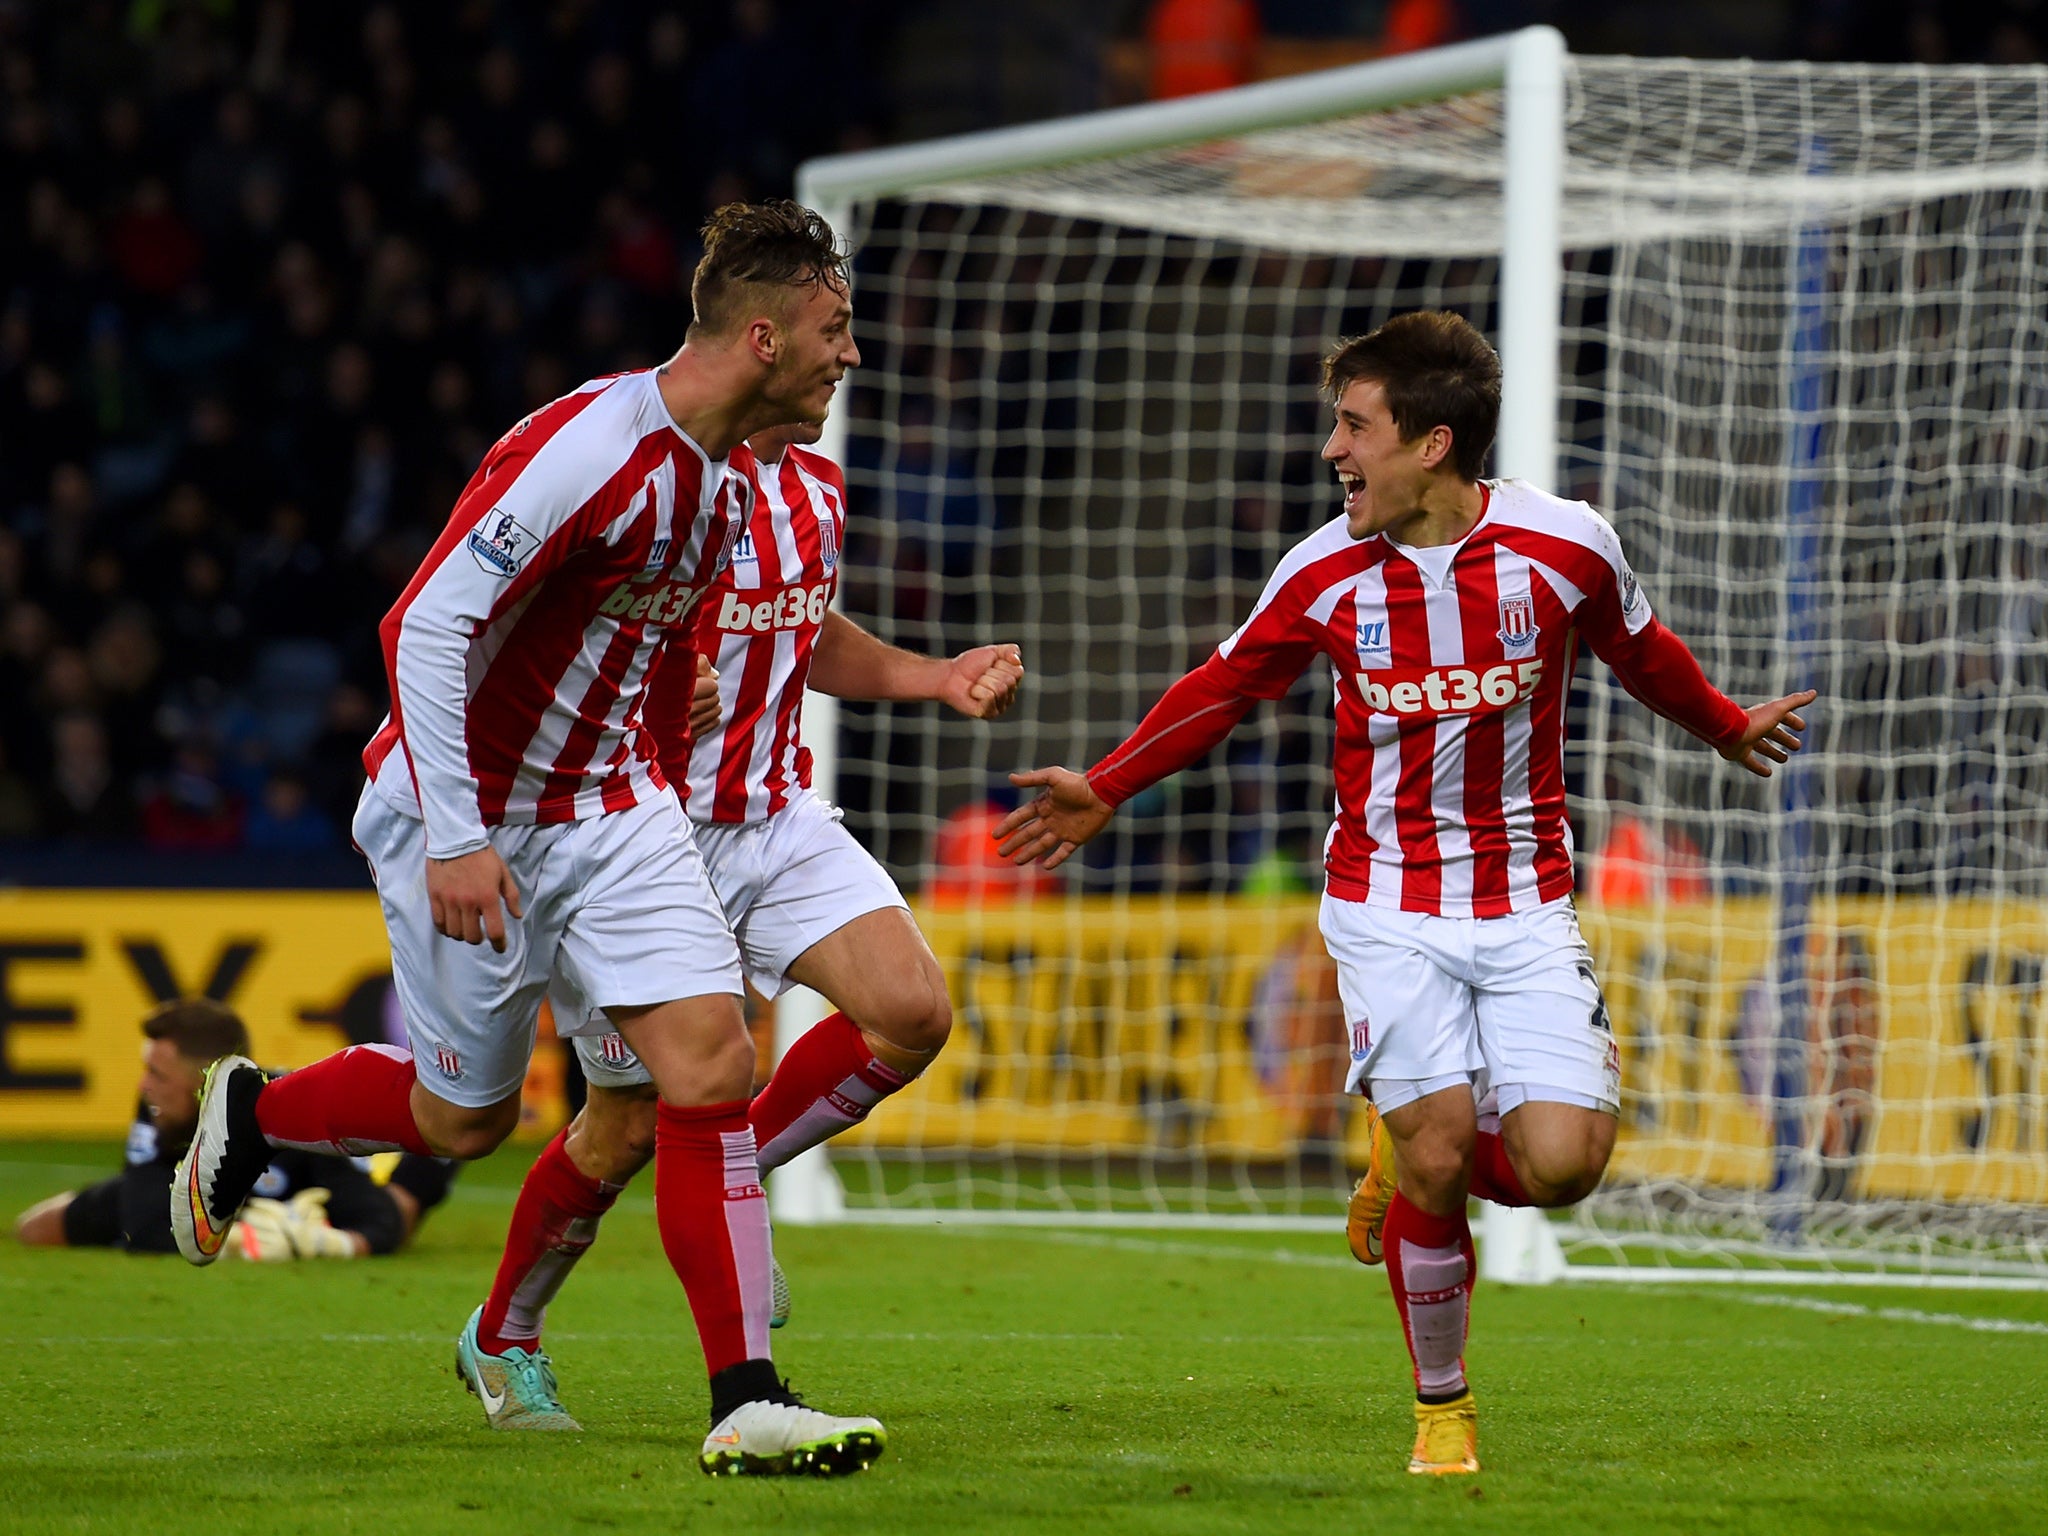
1030,1381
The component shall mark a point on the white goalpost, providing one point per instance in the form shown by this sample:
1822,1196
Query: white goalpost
1784,324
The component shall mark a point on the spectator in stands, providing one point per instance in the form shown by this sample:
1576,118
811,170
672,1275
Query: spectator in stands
273,274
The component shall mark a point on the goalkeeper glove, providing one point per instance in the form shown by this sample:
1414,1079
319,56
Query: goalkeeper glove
264,1234
312,1235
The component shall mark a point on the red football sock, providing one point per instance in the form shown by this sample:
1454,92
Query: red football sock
554,1221
1430,1267
352,1103
825,1082
713,1216
1493,1176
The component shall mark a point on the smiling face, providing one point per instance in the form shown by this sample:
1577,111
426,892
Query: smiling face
813,349
1384,479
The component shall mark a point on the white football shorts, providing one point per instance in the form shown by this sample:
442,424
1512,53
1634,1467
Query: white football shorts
1507,1004
619,906
784,883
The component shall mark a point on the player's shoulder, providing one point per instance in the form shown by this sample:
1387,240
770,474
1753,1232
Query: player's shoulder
1324,555
610,400
590,430
819,466
1517,505
1553,529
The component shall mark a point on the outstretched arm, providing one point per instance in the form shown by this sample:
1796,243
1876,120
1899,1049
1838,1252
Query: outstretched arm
1659,669
42,1224
1190,719
850,663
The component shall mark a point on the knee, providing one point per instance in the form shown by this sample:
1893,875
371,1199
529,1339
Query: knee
634,1148
1435,1170
1563,1172
918,1017
728,1069
613,1138
1561,1182
466,1134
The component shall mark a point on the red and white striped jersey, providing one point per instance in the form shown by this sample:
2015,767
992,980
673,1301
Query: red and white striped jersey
759,626
518,655
1450,695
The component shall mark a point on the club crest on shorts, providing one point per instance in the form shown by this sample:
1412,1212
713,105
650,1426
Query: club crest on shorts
1518,628
613,1049
448,1064
1361,1039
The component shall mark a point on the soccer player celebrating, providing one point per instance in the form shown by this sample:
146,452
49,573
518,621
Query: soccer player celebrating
519,827
807,903
1449,608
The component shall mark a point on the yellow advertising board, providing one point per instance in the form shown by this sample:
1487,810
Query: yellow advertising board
308,970
1129,1026
1144,1025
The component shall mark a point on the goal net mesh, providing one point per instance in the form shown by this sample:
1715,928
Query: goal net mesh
1804,371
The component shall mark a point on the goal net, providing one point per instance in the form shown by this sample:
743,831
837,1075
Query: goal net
1799,356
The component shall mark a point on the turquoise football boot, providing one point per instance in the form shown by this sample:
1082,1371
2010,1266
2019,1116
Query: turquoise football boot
516,1388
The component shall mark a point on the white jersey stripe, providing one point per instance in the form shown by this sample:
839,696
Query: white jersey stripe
1447,782
1512,573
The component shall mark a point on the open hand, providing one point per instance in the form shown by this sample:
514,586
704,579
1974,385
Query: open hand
1050,826
1773,733
982,683
465,894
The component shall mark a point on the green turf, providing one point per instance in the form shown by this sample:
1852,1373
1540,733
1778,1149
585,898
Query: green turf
1031,1382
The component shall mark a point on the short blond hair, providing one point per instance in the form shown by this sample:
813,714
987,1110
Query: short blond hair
752,247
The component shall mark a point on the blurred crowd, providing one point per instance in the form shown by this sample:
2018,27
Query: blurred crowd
273,273
272,276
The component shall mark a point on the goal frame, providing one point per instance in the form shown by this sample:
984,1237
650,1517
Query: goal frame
1528,66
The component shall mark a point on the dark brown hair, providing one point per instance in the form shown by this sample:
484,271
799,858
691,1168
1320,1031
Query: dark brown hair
751,246
199,1027
1436,371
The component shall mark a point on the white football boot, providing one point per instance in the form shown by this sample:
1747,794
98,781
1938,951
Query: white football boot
768,1438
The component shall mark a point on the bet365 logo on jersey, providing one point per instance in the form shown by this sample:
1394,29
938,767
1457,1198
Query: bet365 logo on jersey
759,612
1419,692
669,603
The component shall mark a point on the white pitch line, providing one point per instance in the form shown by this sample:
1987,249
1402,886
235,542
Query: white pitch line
1156,1245
1887,1314
1763,1299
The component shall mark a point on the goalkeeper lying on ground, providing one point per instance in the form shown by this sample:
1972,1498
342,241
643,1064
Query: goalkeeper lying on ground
306,1206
